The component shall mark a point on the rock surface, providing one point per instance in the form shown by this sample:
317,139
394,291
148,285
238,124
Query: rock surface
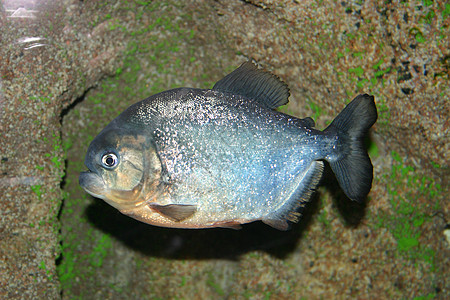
54,56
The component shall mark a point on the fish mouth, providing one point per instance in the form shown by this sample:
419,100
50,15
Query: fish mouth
93,184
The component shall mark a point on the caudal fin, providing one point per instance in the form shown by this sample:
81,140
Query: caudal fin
352,165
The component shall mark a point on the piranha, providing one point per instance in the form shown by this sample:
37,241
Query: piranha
221,157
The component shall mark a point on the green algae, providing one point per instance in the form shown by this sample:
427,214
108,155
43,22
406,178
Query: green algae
412,198
37,190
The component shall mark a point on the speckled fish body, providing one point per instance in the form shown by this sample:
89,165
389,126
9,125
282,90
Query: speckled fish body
197,158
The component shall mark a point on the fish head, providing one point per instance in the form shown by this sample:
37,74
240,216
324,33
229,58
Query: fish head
122,169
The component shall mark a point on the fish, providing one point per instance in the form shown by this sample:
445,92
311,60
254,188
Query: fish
222,157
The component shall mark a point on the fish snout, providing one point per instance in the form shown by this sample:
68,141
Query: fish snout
92,183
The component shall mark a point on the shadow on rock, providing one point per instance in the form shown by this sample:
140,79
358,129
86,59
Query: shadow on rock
199,243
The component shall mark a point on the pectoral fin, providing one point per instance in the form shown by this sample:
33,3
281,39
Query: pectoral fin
175,212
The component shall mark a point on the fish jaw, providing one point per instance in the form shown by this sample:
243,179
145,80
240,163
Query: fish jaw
93,184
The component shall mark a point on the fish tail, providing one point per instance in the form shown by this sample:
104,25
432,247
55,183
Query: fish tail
351,163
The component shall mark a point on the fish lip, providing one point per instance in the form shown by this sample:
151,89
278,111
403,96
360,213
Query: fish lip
92,183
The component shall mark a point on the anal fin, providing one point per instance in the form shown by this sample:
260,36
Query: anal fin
289,210
175,212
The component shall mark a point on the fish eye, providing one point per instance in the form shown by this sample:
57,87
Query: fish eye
110,160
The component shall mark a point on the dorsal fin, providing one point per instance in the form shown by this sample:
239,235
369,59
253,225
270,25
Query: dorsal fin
249,81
